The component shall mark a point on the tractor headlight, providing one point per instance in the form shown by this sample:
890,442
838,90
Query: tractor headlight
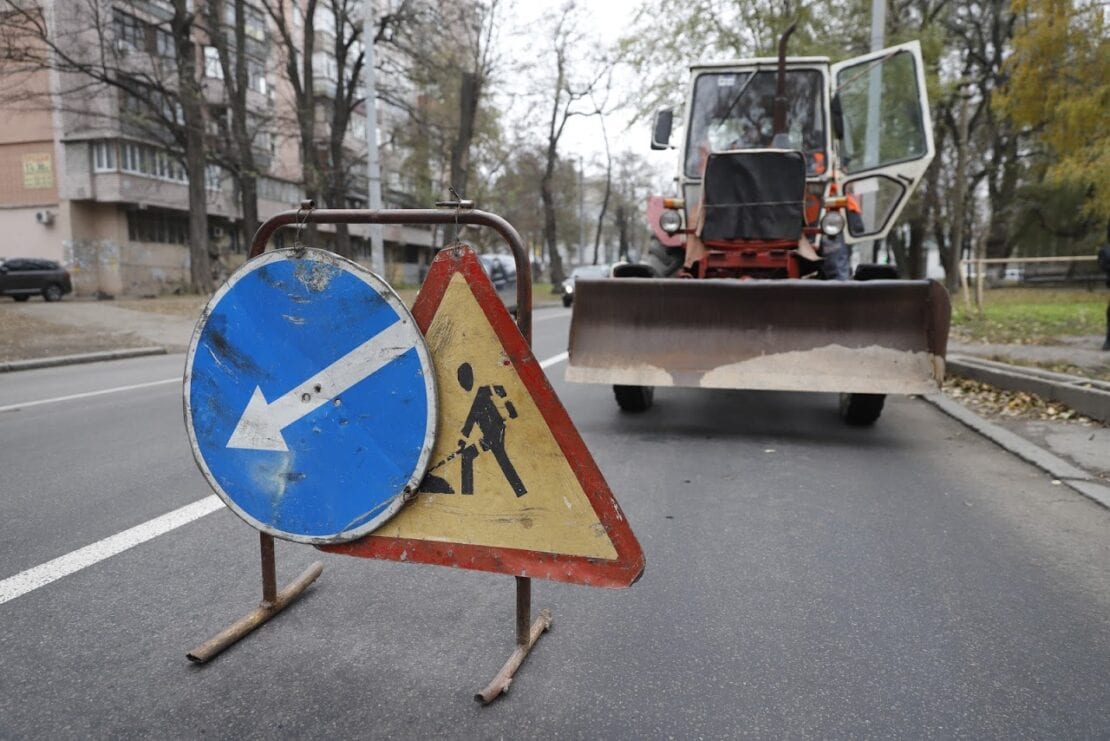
670,221
832,223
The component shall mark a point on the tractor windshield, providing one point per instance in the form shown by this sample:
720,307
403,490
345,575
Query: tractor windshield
735,110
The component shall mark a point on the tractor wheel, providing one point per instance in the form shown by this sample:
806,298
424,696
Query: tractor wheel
634,398
665,261
861,410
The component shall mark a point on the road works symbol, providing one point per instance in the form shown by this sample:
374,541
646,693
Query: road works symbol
309,397
511,487
485,416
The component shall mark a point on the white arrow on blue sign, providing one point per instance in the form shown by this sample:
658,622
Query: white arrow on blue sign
309,397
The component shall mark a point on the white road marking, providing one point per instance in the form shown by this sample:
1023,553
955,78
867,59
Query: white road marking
554,360
90,555
87,394
40,576
550,315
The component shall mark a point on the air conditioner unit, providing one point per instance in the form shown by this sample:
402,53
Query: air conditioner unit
44,217
123,47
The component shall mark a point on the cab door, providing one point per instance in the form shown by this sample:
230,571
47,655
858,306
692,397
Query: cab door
888,135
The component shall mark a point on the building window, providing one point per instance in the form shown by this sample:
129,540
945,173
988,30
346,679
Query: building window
255,24
137,159
256,77
212,68
280,191
157,226
164,44
104,156
213,177
130,32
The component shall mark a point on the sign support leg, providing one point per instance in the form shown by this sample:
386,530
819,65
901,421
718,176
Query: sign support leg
272,603
527,633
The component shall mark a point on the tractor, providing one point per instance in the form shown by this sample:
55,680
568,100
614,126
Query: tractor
784,162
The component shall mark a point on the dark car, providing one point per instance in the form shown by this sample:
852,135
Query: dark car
24,277
584,271
501,270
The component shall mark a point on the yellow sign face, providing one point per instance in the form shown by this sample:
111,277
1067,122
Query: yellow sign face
498,478
38,171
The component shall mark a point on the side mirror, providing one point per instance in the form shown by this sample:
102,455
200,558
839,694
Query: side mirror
661,129
837,117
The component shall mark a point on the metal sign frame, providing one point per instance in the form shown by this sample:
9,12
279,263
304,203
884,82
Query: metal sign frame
273,602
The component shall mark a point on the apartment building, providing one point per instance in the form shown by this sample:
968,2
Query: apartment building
84,182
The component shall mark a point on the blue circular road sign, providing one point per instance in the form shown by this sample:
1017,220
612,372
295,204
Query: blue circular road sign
309,397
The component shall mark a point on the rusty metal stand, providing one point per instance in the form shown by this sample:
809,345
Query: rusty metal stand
527,633
272,603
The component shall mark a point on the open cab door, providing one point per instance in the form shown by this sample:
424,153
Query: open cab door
888,134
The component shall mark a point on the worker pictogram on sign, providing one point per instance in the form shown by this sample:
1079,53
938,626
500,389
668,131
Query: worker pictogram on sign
309,397
487,420
511,487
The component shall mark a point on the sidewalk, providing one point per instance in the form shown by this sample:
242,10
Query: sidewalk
1082,352
1081,442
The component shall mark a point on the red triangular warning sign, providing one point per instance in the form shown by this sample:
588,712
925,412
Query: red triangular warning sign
511,487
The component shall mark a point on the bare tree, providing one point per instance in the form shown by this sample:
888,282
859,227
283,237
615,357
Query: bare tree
570,94
227,33
450,79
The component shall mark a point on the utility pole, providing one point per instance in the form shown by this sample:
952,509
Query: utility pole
373,165
581,210
874,100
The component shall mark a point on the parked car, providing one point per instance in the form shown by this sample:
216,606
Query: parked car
501,270
23,277
584,271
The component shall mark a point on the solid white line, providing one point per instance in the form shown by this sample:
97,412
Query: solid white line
40,576
554,360
550,315
87,394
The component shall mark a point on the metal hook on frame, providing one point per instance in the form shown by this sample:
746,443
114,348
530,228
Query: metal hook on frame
307,207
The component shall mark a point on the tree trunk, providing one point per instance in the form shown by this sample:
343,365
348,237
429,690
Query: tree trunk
622,231
901,257
201,265
236,84
306,113
916,249
959,206
469,96
549,232
608,190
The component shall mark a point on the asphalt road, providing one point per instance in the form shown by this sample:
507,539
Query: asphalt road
803,579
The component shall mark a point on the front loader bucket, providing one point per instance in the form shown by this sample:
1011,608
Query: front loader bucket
878,337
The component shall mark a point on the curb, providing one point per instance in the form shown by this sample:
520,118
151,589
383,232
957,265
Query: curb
1067,473
1088,397
89,357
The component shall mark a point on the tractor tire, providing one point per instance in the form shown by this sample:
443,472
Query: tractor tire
634,399
665,261
861,410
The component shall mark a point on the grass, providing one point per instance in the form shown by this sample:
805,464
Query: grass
1031,316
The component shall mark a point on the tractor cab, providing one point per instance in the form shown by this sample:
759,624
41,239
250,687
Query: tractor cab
770,141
